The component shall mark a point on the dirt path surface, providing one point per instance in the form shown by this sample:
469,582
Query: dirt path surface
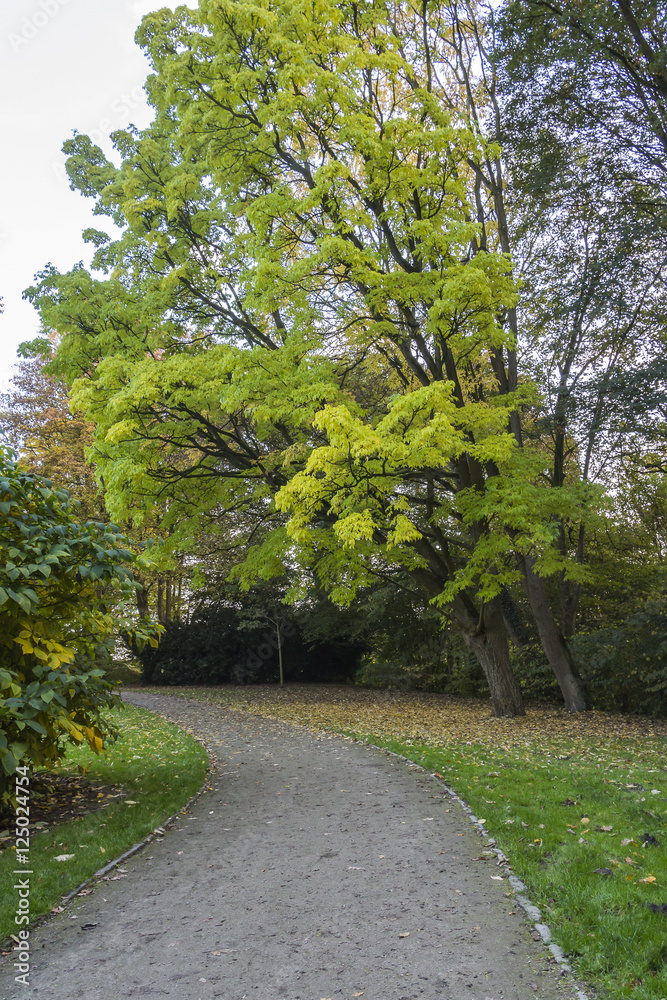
315,869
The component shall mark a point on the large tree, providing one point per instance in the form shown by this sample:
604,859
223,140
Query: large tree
307,320
582,121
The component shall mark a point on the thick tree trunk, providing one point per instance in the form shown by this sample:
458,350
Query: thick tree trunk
489,644
552,640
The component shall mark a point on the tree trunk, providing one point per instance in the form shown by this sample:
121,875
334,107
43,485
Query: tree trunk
169,586
160,611
552,640
489,644
142,600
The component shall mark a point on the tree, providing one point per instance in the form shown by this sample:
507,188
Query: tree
583,129
305,321
37,424
64,589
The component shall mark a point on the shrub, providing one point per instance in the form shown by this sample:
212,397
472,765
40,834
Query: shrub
228,644
625,668
57,580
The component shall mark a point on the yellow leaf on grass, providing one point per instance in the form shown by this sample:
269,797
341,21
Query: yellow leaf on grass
649,878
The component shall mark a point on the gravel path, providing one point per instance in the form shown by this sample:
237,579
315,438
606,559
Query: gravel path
315,869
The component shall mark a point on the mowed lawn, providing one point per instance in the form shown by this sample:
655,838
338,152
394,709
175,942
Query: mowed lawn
577,802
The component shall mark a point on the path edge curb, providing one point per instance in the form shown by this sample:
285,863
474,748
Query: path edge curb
520,888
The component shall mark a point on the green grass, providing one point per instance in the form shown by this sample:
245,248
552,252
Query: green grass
159,766
618,944
126,673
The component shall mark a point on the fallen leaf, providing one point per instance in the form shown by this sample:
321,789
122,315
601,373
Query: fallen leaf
404,934
63,857
498,878
362,992
649,878
606,829
602,871
585,819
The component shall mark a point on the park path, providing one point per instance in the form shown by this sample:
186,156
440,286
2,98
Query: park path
314,869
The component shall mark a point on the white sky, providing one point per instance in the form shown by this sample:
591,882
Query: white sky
65,65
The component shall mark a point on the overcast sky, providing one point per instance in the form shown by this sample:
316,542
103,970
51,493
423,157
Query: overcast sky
65,65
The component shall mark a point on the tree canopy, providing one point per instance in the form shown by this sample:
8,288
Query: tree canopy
307,329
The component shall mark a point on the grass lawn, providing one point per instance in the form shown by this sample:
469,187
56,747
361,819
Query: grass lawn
577,803
158,768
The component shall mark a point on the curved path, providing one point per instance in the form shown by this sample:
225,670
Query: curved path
315,869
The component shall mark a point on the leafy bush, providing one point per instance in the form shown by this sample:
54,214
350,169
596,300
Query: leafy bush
452,672
211,648
625,668
534,674
386,674
57,579
227,644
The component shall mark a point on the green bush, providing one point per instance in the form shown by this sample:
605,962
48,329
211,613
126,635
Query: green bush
625,668
58,580
225,644
452,672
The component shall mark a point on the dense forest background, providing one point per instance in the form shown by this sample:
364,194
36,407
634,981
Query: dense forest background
371,359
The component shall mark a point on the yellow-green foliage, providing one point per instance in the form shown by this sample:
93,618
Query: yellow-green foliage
57,583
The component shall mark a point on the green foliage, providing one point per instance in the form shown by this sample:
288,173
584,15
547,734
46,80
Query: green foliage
58,582
305,326
235,644
625,668
456,675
